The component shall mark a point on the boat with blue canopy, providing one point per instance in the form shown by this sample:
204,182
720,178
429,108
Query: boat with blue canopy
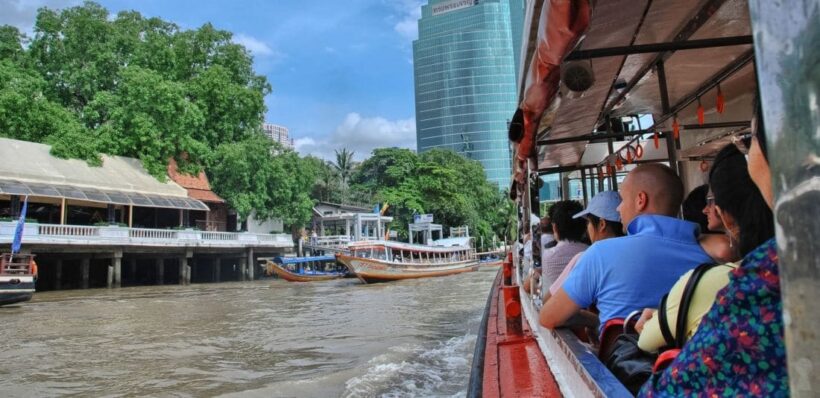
305,269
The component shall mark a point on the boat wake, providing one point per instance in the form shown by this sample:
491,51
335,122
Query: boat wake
421,371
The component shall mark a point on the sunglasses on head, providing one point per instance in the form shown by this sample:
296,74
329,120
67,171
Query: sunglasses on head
743,142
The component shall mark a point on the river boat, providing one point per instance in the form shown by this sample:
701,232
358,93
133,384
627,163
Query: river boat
385,261
305,269
18,273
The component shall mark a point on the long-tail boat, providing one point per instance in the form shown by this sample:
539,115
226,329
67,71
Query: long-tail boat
305,269
384,261
17,275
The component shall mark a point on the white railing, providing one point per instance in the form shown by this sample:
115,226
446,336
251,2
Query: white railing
67,230
329,240
148,233
219,236
115,235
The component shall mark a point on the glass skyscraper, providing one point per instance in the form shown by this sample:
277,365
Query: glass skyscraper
465,63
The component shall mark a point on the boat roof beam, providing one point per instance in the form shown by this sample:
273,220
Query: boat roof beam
659,47
695,23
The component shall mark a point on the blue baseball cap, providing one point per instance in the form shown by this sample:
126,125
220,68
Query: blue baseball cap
603,205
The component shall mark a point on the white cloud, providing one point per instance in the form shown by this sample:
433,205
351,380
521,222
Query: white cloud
255,46
22,13
409,12
361,135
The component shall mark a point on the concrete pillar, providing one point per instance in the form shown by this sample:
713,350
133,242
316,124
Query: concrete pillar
251,264
347,227
217,269
184,271
85,268
160,264
116,270
58,274
243,268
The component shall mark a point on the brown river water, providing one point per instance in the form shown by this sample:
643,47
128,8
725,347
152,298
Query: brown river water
266,338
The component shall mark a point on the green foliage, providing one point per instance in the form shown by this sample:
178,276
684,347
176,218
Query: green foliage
140,87
454,189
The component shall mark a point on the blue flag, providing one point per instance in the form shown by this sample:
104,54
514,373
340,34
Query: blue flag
18,231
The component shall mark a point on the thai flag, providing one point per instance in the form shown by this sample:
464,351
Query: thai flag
18,231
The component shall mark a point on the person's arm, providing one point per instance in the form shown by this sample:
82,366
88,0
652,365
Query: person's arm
557,310
578,291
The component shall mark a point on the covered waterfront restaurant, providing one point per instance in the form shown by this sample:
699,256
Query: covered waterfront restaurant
69,191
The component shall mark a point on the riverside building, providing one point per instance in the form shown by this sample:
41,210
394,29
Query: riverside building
278,134
465,62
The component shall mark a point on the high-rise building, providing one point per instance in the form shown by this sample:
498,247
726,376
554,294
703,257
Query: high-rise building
278,134
465,63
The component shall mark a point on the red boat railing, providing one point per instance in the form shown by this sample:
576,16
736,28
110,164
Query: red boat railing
17,264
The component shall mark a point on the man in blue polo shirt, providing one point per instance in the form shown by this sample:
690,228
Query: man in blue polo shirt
625,274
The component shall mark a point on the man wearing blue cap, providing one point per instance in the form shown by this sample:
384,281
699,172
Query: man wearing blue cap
622,275
603,222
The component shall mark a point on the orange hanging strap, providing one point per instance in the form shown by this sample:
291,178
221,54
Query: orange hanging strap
704,166
657,140
720,102
618,163
639,151
629,154
675,128
701,113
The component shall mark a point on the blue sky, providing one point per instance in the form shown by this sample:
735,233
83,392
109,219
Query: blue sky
341,71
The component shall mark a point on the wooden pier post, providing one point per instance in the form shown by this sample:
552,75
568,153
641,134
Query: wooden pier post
217,269
85,267
160,266
251,264
58,274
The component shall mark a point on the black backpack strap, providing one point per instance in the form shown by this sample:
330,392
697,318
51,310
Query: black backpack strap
663,322
686,301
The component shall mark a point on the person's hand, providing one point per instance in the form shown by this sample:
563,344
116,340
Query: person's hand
646,315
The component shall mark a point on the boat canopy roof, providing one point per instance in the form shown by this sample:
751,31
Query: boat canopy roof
671,60
393,245
302,260
460,241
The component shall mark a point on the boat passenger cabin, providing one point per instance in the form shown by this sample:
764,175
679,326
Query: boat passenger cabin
457,250
609,85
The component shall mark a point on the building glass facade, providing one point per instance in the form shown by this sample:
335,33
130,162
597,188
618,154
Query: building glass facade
465,63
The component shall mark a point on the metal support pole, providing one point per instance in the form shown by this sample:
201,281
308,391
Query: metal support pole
217,269
251,264
787,70
584,186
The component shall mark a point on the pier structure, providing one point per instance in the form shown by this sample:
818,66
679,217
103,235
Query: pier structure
116,225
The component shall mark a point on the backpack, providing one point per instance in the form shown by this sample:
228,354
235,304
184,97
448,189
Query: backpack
631,365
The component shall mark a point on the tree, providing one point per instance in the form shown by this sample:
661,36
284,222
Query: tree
344,164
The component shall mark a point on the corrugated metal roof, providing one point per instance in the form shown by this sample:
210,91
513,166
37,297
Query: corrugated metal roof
28,168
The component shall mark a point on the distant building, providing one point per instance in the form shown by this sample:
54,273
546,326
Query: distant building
278,134
465,63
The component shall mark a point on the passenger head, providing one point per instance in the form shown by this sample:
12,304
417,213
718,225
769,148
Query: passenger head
563,225
546,225
650,189
694,207
745,215
758,160
603,220
713,222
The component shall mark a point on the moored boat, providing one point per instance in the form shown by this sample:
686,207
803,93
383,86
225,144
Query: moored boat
18,273
305,269
385,261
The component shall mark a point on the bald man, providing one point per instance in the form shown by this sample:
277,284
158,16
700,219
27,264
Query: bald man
625,274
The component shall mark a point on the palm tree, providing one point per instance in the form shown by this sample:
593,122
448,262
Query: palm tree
344,164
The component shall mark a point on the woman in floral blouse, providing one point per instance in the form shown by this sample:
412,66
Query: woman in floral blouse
738,349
